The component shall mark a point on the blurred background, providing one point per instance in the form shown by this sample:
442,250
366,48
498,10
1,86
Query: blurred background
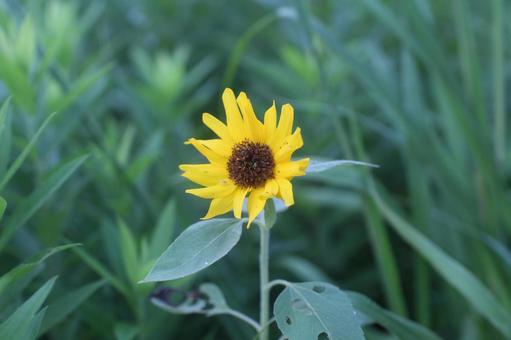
99,96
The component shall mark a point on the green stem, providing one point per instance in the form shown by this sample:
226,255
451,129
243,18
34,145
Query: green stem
263,269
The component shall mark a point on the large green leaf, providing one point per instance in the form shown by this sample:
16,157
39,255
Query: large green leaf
32,203
58,310
399,326
20,325
308,310
199,246
481,298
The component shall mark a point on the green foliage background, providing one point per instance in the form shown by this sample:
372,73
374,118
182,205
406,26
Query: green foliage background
416,86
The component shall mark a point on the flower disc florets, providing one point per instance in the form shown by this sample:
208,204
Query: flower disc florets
251,164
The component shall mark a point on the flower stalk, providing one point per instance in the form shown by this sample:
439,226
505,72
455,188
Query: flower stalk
264,279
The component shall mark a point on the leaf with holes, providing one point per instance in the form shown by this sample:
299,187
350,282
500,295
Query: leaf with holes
198,247
316,309
191,302
396,324
216,300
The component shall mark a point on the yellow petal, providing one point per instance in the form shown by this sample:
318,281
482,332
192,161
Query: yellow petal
270,122
291,144
284,128
271,188
219,206
256,202
218,146
206,169
291,169
215,191
217,127
286,191
204,174
239,196
234,120
202,179
253,127
212,156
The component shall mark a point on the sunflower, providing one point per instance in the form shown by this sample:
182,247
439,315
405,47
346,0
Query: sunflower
249,158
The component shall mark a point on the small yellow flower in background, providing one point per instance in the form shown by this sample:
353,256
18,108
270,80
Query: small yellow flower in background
249,158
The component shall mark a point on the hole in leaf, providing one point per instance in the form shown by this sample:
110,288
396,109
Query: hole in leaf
171,296
300,306
288,320
323,336
318,289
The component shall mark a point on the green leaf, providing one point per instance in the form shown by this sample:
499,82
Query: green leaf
32,203
163,232
319,166
20,324
26,42
190,305
22,270
308,310
129,252
210,302
198,247
399,326
102,271
79,87
302,269
384,255
217,305
216,300
451,270
125,331
65,305
35,324
19,160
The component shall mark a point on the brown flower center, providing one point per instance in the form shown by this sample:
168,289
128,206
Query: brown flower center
251,164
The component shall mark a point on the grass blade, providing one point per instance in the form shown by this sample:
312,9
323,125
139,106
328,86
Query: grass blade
19,324
32,203
22,270
399,326
19,160
385,258
467,284
65,305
